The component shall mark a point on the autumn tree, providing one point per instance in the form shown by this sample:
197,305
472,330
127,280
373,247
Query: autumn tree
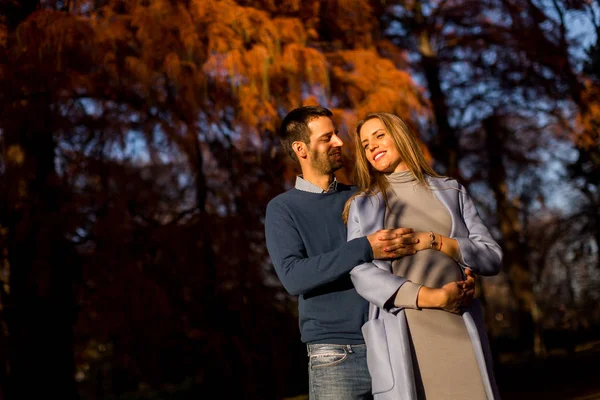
585,170
133,201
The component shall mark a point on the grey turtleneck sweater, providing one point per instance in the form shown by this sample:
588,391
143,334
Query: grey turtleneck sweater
443,356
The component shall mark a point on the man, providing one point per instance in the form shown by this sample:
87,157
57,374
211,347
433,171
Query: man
306,239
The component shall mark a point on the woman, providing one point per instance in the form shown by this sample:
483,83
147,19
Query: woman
420,343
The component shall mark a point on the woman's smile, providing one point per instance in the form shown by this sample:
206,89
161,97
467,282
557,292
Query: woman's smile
378,155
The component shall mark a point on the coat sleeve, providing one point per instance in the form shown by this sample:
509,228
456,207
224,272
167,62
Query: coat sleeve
479,251
372,280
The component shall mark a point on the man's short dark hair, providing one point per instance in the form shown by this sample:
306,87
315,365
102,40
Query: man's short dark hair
295,126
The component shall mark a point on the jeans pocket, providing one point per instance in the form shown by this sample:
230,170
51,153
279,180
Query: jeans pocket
327,356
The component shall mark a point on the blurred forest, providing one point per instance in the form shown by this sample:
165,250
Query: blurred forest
139,148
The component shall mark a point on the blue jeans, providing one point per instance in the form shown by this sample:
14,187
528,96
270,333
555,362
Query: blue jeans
338,372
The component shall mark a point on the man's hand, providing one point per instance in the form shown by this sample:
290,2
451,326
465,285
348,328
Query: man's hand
393,243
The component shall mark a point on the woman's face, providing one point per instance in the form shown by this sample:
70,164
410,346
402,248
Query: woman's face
379,147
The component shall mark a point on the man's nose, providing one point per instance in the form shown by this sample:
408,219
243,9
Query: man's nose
337,141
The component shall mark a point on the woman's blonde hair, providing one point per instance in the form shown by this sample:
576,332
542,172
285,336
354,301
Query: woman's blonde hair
370,181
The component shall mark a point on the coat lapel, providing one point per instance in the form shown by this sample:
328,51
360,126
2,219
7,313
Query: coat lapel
373,208
449,198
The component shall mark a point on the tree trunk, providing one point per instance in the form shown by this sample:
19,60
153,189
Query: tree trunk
4,284
39,302
210,261
40,309
445,145
515,250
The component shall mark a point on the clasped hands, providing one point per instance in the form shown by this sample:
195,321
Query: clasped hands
400,242
394,243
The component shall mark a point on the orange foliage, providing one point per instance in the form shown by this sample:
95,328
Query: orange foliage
588,136
354,20
224,54
375,84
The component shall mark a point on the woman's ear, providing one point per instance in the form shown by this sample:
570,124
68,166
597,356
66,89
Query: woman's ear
299,148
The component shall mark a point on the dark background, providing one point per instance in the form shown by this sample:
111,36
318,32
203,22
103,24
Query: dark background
138,151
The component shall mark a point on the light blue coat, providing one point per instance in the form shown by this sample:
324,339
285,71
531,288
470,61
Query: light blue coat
386,331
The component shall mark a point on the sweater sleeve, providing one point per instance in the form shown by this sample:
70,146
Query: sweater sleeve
479,251
298,273
407,295
375,284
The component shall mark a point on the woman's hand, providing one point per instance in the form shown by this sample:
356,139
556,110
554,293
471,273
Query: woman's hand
451,297
424,241
446,245
459,294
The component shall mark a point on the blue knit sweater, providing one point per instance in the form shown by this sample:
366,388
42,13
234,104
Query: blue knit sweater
306,240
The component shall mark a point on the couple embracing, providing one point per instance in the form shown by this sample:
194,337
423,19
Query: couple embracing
384,270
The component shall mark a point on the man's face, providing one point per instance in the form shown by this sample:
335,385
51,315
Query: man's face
325,148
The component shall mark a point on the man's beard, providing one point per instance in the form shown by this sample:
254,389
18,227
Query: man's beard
325,163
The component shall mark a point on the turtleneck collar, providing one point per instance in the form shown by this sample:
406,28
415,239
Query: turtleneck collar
401,177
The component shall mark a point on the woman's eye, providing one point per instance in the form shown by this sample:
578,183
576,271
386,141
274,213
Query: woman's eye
380,136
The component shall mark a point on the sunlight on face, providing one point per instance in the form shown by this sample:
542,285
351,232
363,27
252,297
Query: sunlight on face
325,148
380,148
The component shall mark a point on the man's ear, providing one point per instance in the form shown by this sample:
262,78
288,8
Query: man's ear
299,148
